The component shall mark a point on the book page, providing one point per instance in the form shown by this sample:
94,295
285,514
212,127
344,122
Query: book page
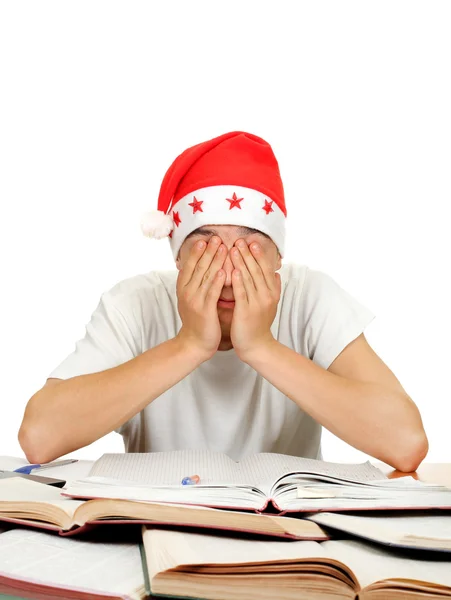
18,490
169,468
347,498
396,527
267,468
372,563
94,566
166,549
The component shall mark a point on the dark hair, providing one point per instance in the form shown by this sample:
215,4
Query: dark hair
209,232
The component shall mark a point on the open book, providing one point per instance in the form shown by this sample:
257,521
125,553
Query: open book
35,564
286,483
33,504
425,531
192,565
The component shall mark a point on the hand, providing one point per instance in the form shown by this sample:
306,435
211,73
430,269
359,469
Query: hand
256,289
199,285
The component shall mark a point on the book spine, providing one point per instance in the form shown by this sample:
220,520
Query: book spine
77,530
269,504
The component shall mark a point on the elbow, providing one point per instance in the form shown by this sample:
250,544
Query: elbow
409,460
31,444
25,438
35,450
33,439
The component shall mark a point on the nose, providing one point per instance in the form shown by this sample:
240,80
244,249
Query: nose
228,268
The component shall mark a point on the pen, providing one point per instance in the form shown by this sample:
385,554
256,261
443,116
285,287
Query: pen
56,463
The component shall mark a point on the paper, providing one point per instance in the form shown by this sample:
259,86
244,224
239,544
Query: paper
355,499
395,527
312,493
169,468
373,563
213,468
169,549
94,567
217,496
17,489
268,467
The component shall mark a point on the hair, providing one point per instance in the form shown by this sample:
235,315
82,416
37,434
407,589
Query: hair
241,230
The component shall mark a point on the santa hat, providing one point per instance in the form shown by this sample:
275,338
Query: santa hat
233,179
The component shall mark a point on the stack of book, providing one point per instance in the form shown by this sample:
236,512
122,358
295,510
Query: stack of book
195,524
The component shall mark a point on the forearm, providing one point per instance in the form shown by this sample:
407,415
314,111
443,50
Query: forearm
75,412
377,420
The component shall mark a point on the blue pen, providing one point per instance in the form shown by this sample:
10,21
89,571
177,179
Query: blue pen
57,463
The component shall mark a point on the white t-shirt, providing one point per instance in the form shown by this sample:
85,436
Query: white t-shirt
223,405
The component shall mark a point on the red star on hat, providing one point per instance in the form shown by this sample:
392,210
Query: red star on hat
176,218
234,201
268,207
197,205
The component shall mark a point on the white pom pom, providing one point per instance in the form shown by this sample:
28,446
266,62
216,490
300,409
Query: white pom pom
156,224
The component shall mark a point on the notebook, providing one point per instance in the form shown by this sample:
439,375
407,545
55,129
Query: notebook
37,505
192,565
260,482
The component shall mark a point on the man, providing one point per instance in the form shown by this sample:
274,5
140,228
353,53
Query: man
227,353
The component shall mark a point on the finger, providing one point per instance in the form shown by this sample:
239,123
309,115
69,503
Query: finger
252,266
266,269
239,291
246,277
215,289
197,265
186,272
210,274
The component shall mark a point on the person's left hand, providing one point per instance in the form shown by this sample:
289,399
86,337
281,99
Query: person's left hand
256,289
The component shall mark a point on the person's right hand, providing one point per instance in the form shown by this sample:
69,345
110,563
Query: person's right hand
199,285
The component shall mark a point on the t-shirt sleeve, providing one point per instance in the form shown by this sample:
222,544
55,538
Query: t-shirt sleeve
108,342
332,318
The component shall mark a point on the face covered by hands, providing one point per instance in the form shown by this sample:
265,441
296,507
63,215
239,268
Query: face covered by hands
250,284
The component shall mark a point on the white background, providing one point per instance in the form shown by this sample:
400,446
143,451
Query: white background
97,99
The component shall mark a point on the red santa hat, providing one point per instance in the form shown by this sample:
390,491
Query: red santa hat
233,179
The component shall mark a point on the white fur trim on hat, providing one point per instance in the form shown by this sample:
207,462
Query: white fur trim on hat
227,205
